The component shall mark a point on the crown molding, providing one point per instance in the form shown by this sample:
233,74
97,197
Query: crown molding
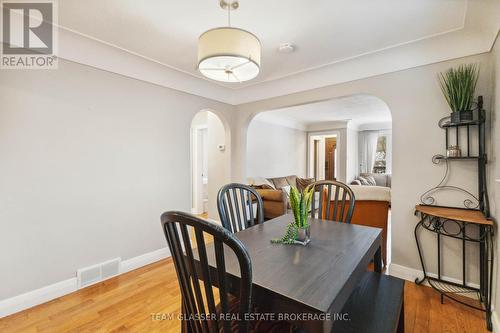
85,50
454,45
480,29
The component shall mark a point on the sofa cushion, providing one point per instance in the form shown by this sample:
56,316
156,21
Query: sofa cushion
302,183
363,181
286,190
371,193
382,179
356,182
292,180
371,180
279,182
271,195
261,182
263,187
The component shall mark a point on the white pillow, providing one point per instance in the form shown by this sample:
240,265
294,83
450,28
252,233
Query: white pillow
287,189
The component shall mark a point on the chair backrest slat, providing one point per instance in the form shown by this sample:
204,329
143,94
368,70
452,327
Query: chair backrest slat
229,202
250,204
342,209
221,277
335,205
182,272
198,300
237,205
313,204
327,208
194,274
243,200
343,201
205,274
320,207
237,215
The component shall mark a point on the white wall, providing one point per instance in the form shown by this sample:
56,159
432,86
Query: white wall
218,162
89,161
352,163
197,159
275,151
416,104
494,167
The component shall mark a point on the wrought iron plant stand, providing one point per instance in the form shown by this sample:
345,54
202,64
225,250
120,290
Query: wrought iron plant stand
469,224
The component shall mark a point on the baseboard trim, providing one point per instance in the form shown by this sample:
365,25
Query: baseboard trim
410,274
143,260
42,295
495,321
45,294
32,298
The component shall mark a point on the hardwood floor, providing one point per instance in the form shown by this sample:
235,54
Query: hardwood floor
126,304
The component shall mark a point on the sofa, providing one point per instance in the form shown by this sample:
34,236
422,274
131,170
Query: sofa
371,209
274,192
373,179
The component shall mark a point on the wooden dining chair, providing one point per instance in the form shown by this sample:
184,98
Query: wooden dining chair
235,204
198,276
335,201
191,265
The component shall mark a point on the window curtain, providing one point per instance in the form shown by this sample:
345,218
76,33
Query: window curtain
388,157
369,149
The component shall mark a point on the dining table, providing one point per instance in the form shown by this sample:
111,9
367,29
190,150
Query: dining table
305,285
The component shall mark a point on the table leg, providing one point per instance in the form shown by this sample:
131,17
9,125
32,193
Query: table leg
377,261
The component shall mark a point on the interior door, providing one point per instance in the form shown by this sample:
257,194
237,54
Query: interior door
330,147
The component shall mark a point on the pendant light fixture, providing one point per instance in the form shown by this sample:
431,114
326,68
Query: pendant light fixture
229,54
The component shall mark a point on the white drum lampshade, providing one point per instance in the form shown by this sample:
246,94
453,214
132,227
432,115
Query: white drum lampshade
229,55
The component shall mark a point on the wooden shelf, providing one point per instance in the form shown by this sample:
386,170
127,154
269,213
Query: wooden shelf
457,214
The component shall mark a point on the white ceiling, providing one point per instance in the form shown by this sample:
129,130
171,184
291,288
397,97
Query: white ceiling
324,31
357,110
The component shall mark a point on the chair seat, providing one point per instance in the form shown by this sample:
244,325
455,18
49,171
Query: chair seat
256,326
375,306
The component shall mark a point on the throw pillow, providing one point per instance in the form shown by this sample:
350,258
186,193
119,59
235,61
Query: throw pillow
292,180
371,180
280,182
263,187
260,181
287,189
363,180
302,183
356,182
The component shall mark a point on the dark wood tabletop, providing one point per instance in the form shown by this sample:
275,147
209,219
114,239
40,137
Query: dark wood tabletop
317,278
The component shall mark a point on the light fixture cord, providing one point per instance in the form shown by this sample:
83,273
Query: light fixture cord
229,13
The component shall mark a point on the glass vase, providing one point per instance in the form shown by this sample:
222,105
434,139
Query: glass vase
303,235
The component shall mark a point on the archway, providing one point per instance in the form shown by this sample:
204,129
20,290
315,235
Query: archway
210,161
294,139
344,138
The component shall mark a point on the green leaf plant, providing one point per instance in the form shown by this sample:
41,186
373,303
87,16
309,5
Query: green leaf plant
458,86
300,202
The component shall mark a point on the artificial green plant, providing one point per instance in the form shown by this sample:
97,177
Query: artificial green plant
300,202
458,86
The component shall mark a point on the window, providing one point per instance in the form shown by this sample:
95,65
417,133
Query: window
380,164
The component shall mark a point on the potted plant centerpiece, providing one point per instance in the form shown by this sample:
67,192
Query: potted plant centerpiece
458,86
299,231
